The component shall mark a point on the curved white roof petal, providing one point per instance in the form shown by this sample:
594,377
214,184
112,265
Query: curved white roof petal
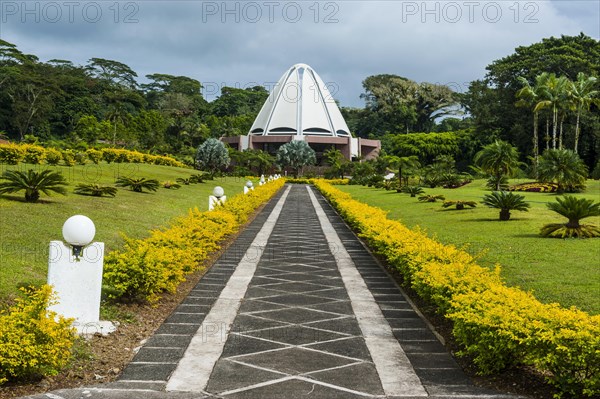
300,105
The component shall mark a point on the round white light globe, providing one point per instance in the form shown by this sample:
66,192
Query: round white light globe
249,184
79,230
218,192
262,178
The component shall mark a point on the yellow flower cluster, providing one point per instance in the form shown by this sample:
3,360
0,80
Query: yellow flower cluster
33,340
146,268
499,326
337,182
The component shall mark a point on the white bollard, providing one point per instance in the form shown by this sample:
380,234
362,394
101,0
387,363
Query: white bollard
248,187
217,198
75,273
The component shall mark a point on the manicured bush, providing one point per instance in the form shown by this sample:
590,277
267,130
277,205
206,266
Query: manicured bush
498,326
535,187
53,156
68,157
94,155
144,269
11,154
34,154
33,341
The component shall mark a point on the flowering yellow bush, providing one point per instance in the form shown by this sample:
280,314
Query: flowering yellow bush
146,268
497,325
33,340
337,182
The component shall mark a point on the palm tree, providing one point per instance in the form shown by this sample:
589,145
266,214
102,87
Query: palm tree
553,93
573,209
459,204
403,164
530,96
506,202
563,167
95,190
583,94
138,184
431,198
33,182
499,159
413,190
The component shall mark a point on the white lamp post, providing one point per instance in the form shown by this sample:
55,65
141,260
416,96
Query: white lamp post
262,180
248,186
75,272
217,198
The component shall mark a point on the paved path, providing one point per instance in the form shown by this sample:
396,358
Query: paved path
295,308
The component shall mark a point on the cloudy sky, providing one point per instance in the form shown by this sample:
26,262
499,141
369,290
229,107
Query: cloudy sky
244,43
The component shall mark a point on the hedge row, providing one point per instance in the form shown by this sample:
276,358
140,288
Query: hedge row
146,268
13,154
33,340
338,182
498,326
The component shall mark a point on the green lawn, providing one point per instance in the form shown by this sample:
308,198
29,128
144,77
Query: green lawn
556,270
26,229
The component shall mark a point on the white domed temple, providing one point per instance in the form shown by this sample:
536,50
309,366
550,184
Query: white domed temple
300,107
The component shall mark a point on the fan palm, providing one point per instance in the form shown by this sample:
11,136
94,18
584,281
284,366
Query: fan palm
574,209
506,202
95,190
138,184
563,167
413,190
33,183
499,159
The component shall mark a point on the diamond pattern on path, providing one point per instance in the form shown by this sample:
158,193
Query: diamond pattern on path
296,319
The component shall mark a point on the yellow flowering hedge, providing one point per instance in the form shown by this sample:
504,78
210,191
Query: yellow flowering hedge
13,154
33,340
497,325
146,268
338,182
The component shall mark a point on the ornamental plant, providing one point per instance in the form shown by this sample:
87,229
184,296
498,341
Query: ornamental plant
138,184
95,190
574,209
33,183
459,204
431,198
413,190
506,202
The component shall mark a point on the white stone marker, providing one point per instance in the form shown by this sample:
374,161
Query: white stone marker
217,198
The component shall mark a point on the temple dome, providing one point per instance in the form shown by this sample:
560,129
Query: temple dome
300,105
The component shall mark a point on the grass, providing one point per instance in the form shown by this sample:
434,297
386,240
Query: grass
27,229
556,270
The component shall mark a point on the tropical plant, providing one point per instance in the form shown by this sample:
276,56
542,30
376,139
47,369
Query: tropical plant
506,202
212,156
184,181
554,95
459,204
583,94
413,190
95,190
197,178
138,184
497,183
33,183
431,198
530,96
498,159
406,167
295,155
574,209
169,184
564,168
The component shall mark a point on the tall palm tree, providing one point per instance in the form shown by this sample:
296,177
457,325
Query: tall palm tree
563,167
33,182
403,164
530,96
583,93
554,94
499,159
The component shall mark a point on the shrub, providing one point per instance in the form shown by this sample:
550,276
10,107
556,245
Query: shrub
535,187
431,198
34,154
563,167
95,190
506,202
109,155
11,154
81,158
33,182
498,326
573,209
68,157
138,184
53,156
33,340
94,155
459,204
145,269
413,190
169,184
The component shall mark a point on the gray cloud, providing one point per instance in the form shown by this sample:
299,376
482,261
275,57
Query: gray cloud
243,43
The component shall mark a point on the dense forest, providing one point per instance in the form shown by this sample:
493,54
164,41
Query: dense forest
542,96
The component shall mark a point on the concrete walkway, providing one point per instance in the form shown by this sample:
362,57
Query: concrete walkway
295,308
